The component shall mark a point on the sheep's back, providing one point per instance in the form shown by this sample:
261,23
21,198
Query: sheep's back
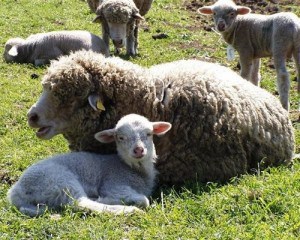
222,124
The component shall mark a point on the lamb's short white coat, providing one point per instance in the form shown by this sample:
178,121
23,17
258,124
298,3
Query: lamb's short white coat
255,36
80,177
40,48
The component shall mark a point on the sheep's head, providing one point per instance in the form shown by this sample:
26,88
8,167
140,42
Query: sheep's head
68,90
11,51
224,13
133,135
118,16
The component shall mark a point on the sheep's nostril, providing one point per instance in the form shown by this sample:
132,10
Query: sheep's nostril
118,42
221,26
33,117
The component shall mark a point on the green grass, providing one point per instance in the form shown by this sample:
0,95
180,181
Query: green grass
262,206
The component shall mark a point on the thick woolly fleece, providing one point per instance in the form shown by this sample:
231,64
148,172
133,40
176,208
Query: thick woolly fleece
142,5
223,126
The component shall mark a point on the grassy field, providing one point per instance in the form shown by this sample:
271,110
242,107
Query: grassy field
261,206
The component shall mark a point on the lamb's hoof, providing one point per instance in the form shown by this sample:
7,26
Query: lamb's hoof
142,203
126,210
132,209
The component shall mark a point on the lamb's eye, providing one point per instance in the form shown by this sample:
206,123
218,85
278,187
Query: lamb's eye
121,138
149,134
232,14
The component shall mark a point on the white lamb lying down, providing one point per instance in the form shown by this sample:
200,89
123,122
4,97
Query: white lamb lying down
79,177
40,48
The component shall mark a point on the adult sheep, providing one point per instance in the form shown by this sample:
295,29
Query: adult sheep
120,20
143,5
223,125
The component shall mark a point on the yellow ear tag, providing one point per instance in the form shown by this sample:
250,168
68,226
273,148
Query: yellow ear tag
100,106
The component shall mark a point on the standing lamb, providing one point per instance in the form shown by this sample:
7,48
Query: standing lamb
120,20
222,125
40,48
255,36
80,176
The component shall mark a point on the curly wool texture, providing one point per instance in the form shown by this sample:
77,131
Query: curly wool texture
142,5
222,125
118,11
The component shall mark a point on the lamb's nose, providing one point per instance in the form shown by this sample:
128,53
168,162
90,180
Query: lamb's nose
32,117
138,152
221,26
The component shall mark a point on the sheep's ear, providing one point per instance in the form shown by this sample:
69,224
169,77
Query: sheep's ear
96,103
138,16
97,19
243,10
160,128
13,51
205,10
106,136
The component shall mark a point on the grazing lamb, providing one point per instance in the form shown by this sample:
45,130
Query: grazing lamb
120,20
222,125
40,48
127,178
255,36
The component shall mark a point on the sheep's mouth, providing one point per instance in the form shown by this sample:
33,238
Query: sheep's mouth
138,156
43,131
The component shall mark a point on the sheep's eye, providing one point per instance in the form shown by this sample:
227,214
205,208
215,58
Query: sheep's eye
149,134
121,138
232,14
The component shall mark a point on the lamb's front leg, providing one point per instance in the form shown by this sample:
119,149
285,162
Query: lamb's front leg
99,207
255,74
296,55
283,80
246,67
124,195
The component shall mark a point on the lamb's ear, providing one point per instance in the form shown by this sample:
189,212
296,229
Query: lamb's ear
96,103
243,10
106,136
13,51
160,128
137,16
205,10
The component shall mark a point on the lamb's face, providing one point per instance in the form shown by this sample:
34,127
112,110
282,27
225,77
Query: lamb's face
133,135
224,16
224,13
134,141
11,53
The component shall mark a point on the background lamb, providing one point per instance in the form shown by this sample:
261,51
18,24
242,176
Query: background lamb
255,36
40,48
81,176
222,125
120,20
